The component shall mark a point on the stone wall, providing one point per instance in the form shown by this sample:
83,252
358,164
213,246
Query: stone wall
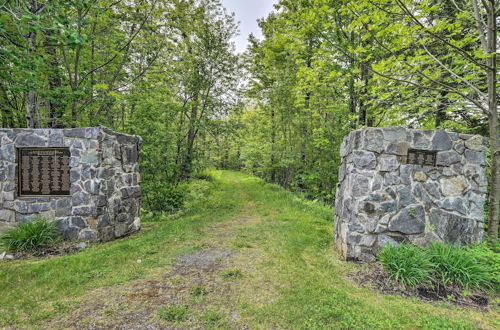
104,200
382,199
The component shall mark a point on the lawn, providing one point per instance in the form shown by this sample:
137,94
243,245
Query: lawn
249,254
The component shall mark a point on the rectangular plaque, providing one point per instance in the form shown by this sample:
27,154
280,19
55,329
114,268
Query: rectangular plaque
421,157
43,172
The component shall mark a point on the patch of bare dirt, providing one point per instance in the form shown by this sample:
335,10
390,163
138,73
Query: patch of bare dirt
58,249
374,276
135,304
205,261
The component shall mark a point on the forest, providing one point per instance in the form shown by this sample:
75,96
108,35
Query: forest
167,70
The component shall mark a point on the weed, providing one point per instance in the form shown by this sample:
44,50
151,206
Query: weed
241,244
212,319
108,310
198,290
173,313
232,273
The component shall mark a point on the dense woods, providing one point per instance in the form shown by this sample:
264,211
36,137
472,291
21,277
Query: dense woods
167,70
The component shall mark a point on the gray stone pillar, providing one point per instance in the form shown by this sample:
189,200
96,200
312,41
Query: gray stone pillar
102,201
407,185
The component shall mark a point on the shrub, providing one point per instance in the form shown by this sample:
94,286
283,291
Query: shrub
204,175
30,236
455,265
407,264
196,194
173,313
160,196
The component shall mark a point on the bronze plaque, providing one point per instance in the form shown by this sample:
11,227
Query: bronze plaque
43,172
421,157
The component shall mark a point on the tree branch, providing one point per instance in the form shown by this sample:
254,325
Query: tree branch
448,89
481,94
438,37
480,25
121,48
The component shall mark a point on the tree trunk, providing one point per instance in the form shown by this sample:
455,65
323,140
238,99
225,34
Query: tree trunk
273,148
441,109
55,111
74,105
493,122
31,102
363,116
191,136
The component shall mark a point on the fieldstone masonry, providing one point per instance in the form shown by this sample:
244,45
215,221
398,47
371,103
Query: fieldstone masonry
382,198
104,200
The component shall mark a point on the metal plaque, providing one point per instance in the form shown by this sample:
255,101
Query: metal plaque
43,172
421,157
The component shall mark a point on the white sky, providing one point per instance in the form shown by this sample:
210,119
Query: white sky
247,12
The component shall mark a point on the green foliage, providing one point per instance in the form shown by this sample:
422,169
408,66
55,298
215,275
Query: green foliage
28,236
160,69
59,279
204,175
489,256
475,268
160,196
196,193
327,67
459,266
407,264
173,313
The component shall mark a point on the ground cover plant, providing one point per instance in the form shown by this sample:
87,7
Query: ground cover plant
488,254
407,264
292,275
458,266
29,236
443,270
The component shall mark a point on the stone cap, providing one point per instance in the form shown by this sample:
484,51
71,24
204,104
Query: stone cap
24,135
379,139
122,137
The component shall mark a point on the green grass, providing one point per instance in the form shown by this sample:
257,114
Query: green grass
213,319
173,313
292,276
232,273
30,288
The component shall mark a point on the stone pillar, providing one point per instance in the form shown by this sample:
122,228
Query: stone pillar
103,201
407,185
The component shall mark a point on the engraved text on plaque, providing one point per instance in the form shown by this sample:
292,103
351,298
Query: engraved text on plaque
421,157
43,172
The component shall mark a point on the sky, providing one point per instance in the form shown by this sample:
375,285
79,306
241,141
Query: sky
247,12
